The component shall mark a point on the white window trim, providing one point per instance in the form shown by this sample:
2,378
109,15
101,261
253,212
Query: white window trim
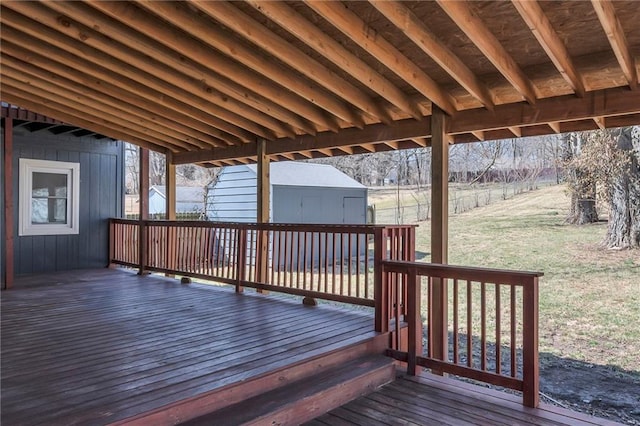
72,170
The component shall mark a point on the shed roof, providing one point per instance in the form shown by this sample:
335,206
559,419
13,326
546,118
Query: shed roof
184,194
291,173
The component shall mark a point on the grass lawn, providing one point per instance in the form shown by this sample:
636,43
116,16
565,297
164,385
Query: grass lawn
589,296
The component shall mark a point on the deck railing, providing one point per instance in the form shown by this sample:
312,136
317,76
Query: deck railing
489,321
333,262
485,327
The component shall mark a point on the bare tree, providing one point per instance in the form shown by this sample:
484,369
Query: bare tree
620,175
581,182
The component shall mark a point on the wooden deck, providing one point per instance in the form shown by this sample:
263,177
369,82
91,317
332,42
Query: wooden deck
99,346
434,400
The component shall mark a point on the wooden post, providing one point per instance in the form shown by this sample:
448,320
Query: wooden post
170,180
144,209
170,209
414,344
530,357
439,229
8,203
380,285
262,214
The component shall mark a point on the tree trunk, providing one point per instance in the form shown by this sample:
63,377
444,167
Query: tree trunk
624,213
583,196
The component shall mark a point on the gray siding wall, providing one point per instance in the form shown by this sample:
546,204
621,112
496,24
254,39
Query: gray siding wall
294,204
101,194
233,199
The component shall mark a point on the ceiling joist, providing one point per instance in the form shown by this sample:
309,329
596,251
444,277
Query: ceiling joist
206,80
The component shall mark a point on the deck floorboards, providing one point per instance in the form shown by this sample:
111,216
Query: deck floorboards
434,400
94,347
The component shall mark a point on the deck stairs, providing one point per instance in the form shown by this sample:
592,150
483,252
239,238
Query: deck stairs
290,395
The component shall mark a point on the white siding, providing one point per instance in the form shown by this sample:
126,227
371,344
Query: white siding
233,198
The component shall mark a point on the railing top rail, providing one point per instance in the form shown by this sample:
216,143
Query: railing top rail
498,276
368,229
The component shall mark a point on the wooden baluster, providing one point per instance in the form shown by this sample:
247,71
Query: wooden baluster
514,358
498,331
349,261
469,325
456,354
358,237
326,262
241,256
298,257
483,327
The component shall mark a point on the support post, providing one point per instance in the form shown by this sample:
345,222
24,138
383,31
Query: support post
170,209
439,229
170,181
262,214
8,203
144,209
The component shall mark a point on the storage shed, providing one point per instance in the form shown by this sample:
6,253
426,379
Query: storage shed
300,193
189,199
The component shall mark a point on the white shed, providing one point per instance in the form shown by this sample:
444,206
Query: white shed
300,193
189,199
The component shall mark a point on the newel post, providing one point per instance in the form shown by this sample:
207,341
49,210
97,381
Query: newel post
380,293
530,357
414,320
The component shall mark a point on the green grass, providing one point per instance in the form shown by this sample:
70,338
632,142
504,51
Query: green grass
589,296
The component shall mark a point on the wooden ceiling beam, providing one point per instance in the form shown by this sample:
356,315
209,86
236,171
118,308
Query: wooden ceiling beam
253,31
64,96
465,18
326,152
282,103
77,39
77,118
612,28
416,30
49,80
555,126
54,71
204,72
66,104
83,19
600,122
603,103
322,43
39,44
213,35
372,42
515,131
540,26
607,103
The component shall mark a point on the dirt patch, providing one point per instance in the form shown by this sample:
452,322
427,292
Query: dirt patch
601,391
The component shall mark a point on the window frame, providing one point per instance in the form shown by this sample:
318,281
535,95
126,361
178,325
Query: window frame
30,166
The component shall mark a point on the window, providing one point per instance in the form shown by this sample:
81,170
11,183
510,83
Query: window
49,197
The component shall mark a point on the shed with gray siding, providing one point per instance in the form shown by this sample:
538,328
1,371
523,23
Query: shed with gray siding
300,193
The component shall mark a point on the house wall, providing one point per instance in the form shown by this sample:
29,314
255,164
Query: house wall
101,197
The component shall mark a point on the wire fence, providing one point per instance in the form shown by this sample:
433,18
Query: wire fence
462,198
